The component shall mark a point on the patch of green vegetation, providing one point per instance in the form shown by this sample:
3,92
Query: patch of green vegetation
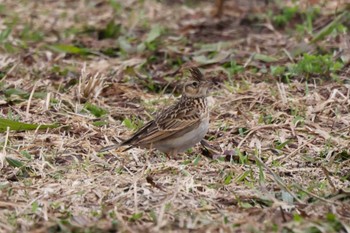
335,27
150,84
228,178
152,42
233,68
210,57
57,175
71,32
153,215
342,156
243,131
12,219
223,125
266,119
35,206
261,170
95,110
70,49
2,75
136,216
13,116
112,30
334,223
264,58
293,15
317,187
14,162
309,17
186,162
5,43
243,158
153,104
245,205
117,7
99,123
184,172
4,34
311,65
242,177
298,121
26,154
133,123
126,46
20,126
2,8
65,225
280,145
196,160
330,223
155,32
59,70
277,70
282,19
22,169
29,34
304,21
17,95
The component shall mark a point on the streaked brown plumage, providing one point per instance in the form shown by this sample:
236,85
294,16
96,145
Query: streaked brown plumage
179,126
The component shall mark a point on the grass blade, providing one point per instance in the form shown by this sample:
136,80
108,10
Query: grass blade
20,126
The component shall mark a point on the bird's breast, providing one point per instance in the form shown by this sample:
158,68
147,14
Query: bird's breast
185,141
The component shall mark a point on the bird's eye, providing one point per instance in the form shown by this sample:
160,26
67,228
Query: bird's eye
195,84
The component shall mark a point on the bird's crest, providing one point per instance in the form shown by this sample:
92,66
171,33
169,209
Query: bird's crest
196,74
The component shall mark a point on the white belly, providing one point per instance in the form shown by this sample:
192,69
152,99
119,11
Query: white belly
185,141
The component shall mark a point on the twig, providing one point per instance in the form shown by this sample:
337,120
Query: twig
259,128
135,196
47,101
278,180
30,100
3,154
9,72
249,60
326,172
122,222
283,159
314,195
282,92
288,55
150,180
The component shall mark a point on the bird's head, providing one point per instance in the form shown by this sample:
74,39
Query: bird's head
198,86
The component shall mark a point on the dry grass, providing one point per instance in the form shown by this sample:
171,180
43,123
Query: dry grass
284,144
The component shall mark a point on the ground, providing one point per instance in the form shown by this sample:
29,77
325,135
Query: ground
79,75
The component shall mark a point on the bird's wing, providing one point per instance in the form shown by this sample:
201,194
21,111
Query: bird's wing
170,121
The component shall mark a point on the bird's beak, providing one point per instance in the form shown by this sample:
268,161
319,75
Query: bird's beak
208,84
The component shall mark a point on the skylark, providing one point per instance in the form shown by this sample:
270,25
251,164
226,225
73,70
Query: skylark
178,127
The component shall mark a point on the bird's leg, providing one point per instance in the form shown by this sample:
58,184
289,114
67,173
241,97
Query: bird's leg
172,154
219,5
168,155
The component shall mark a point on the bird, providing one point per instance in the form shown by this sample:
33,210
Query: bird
179,126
